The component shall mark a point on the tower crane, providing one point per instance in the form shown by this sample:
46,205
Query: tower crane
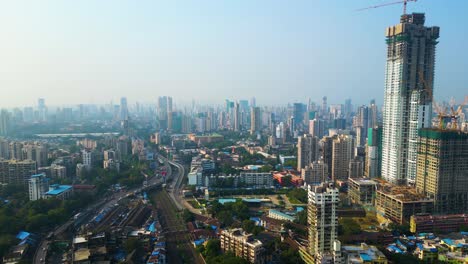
441,111
404,2
455,114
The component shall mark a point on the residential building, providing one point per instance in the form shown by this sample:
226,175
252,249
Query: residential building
111,165
242,245
37,152
356,168
16,150
87,143
363,254
307,150
409,84
315,173
87,159
374,153
317,127
80,169
443,169
362,190
342,153
38,186
16,171
257,179
322,218
4,148
4,122
255,120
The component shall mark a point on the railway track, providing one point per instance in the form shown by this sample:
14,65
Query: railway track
177,236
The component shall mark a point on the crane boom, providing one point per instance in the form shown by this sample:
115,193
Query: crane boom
404,2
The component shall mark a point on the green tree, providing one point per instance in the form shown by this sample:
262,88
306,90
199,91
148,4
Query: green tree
302,217
349,226
188,216
298,194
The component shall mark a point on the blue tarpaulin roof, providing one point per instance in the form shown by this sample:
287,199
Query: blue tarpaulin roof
199,242
448,241
22,235
299,209
151,227
365,257
59,189
161,244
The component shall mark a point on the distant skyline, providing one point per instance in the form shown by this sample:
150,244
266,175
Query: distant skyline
88,51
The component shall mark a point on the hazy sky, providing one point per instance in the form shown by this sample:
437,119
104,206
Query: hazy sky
93,51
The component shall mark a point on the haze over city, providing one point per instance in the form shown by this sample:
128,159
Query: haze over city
246,132
97,51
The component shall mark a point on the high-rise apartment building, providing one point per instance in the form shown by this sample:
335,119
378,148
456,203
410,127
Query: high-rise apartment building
4,122
342,153
374,153
237,117
317,127
37,152
255,120
315,173
409,83
16,150
356,168
41,110
87,159
38,186
16,172
322,218
442,172
307,150
4,148
123,109
164,108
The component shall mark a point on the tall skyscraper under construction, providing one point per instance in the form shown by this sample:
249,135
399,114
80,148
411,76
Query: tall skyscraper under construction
409,83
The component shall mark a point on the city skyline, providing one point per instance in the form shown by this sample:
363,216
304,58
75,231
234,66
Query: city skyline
227,50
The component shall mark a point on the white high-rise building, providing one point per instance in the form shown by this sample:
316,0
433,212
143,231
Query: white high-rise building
409,83
38,186
322,218
87,159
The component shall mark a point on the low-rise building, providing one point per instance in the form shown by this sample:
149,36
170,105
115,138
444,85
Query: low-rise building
437,223
363,254
257,179
206,138
399,203
278,215
61,192
242,245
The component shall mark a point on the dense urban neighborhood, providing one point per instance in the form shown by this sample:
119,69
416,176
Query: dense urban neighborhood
242,182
